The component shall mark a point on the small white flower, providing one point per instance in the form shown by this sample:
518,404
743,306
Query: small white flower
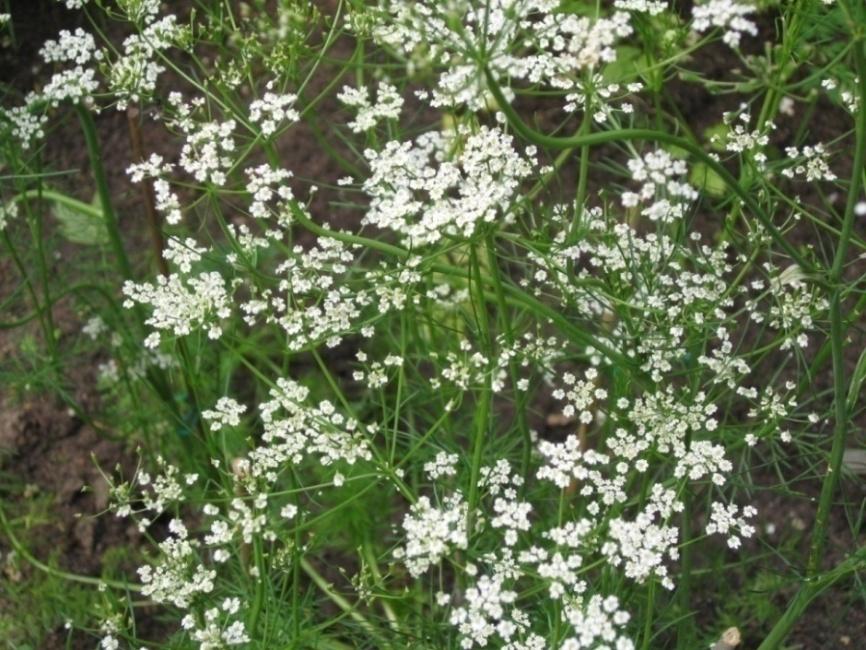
387,105
729,15
272,110
227,412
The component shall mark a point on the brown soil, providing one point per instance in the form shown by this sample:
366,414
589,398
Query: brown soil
51,452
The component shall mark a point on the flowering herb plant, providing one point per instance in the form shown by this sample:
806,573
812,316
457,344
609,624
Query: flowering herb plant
518,366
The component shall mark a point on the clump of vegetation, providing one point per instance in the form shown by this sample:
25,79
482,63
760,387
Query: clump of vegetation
519,370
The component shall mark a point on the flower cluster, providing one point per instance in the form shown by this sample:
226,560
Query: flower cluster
387,105
273,109
810,163
226,413
208,151
433,532
417,191
521,40
134,74
78,48
182,303
661,185
724,520
729,15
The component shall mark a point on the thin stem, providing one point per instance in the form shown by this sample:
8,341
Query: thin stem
88,126
508,330
482,409
326,588
807,593
814,583
648,616
583,176
837,334
370,557
57,573
259,597
62,199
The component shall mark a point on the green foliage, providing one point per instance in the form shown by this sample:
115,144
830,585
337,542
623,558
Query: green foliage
80,226
554,363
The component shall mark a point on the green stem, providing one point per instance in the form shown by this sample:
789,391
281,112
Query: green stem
809,590
508,330
583,176
648,616
837,334
259,597
38,307
37,233
482,409
370,557
685,627
326,588
62,199
816,583
88,126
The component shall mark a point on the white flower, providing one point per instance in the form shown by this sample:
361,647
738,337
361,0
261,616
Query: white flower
177,576
134,74
725,14
208,151
181,304
481,617
527,40
167,201
226,413
597,623
431,533
387,106
7,211
724,520
419,193
662,187
265,185
810,162
272,110
78,47
652,7
76,85
183,254
443,465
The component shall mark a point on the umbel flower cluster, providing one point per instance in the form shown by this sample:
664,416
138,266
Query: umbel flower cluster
366,402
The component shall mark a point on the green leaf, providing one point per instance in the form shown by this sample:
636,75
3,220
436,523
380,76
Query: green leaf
579,7
81,225
626,67
717,136
707,180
